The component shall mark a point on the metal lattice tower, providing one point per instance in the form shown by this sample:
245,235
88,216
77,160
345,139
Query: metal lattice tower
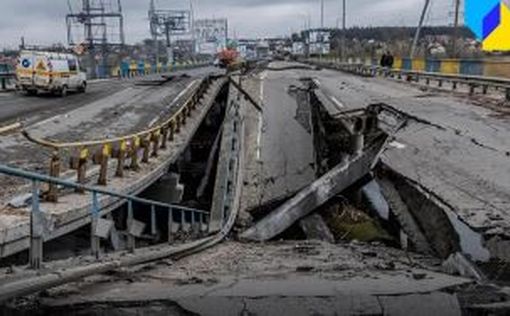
167,24
97,25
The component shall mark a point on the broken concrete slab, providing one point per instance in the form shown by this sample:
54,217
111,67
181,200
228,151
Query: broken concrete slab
316,194
404,217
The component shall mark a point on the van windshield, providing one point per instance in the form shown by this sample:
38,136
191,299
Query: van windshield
72,65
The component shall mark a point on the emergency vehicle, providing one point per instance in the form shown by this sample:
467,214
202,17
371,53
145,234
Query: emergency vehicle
50,72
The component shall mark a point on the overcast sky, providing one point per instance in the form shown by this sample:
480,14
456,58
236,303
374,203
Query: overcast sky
43,21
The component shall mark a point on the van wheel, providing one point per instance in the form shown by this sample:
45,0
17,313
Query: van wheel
83,87
31,92
63,92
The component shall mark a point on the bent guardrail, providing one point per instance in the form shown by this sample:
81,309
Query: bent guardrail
471,81
176,214
130,148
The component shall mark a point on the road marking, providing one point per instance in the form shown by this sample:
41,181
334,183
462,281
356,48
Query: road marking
186,89
335,100
397,145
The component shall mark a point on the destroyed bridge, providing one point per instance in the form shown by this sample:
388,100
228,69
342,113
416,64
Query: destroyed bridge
364,190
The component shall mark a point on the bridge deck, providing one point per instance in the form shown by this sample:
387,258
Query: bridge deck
72,210
462,155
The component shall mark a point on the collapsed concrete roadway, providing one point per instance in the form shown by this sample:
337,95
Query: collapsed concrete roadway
303,277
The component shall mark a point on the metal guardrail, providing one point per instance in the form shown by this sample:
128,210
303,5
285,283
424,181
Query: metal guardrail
473,82
176,215
122,148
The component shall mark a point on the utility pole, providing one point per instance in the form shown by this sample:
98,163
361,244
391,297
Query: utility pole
418,31
344,28
456,29
169,23
152,13
322,14
322,29
193,37
103,29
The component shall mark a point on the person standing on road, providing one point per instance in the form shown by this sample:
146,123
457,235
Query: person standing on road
383,60
390,60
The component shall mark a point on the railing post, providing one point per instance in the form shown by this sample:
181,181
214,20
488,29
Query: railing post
172,132
164,137
146,145
121,159
170,225
153,220
177,124
103,169
195,231
82,168
95,244
201,220
183,219
471,89
155,142
131,243
184,115
54,173
36,229
135,166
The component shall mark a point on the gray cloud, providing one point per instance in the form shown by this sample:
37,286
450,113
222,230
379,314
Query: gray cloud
43,21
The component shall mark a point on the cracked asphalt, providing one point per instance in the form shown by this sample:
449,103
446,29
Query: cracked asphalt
463,156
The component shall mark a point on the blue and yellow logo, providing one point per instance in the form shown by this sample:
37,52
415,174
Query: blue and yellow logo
490,21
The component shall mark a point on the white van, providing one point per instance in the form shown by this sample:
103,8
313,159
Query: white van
52,72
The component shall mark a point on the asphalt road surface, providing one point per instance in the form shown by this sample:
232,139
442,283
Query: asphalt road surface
70,119
462,154
287,152
20,107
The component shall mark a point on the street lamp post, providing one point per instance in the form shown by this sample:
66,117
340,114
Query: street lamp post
344,16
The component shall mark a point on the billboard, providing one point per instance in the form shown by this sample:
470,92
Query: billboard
211,35
176,22
319,42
